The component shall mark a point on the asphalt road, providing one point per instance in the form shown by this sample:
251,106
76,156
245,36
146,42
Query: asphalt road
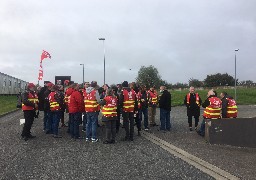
47,158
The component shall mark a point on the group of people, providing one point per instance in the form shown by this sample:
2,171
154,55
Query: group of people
215,108
84,102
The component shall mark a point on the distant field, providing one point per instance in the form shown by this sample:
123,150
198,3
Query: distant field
7,103
244,96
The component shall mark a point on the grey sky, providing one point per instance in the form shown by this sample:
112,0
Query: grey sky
182,38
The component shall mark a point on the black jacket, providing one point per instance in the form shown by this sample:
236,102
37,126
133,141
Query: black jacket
192,107
144,100
225,105
46,100
41,98
165,100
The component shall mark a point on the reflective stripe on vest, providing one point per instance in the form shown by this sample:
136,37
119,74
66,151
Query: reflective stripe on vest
32,98
214,109
231,108
54,105
109,109
90,102
153,97
138,95
129,101
197,98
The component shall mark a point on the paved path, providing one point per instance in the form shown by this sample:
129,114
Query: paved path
47,158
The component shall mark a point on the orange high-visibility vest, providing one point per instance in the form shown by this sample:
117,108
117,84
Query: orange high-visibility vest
109,109
138,96
54,105
32,98
214,109
197,99
129,101
231,108
153,97
90,101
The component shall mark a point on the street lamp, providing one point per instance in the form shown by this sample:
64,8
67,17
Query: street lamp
83,73
103,39
235,71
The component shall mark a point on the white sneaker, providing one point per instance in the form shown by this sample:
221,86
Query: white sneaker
87,139
95,140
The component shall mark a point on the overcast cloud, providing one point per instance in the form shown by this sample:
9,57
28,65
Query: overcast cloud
183,39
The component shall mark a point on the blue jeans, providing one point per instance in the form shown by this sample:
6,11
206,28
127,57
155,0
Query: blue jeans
84,120
165,119
49,123
145,113
75,119
55,122
202,128
45,119
91,126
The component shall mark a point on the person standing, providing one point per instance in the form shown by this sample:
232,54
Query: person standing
152,103
29,107
115,93
229,107
86,85
92,100
76,107
128,102
109,112
144,107
193,102
47,114
212,110
165,108
56,102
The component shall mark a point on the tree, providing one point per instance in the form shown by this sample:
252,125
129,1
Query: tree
195,82
219,80
247,83
149,76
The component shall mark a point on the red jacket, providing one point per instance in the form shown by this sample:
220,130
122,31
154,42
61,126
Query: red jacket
76,102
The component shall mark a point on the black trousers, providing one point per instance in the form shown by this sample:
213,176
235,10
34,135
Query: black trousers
138,121
128,118
29,119
190,121
110,130
118,121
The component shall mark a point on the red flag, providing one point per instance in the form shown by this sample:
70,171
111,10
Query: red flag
41,72
45,54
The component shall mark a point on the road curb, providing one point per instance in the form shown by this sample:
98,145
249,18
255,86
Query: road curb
2,115
198,163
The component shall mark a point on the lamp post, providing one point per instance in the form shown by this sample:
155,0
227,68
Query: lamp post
235,71
83,73
103,39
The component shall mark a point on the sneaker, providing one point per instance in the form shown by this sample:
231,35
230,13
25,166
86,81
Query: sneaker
190,128
87,139
146,129
83,130
95,140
